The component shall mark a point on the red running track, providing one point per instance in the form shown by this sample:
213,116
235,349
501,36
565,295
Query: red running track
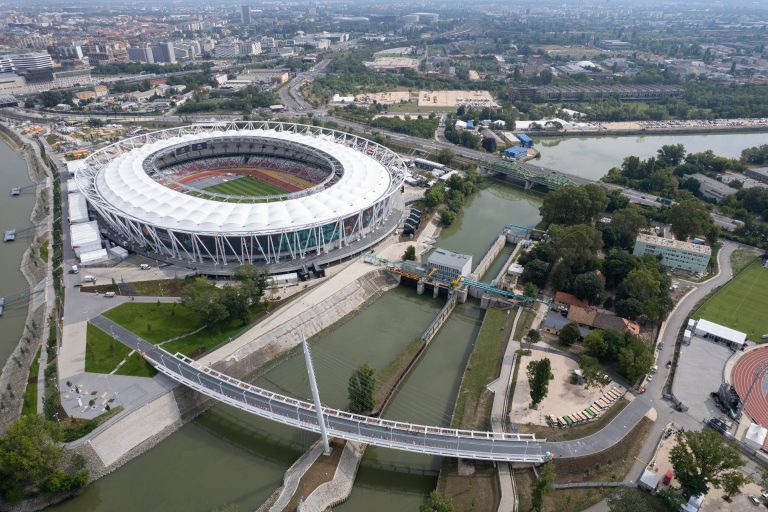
742,376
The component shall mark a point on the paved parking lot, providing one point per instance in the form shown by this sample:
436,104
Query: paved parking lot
700,372
128,271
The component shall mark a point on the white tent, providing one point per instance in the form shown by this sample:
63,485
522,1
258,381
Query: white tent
78,208
85,237
91,257
755,436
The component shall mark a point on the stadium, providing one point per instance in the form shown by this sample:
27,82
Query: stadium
215,196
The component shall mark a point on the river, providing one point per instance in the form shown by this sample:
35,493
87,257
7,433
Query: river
14,214
593,157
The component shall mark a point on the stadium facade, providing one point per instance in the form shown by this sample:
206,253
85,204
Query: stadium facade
339,194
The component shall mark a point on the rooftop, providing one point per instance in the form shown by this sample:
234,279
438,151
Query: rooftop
673,244
721,331
449,259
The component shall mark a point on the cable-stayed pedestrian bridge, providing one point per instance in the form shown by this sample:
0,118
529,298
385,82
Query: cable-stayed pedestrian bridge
446,442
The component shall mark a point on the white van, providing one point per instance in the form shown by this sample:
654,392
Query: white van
89,279
144,266
109,295
75,270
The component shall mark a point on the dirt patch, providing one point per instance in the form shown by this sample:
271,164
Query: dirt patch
477,492
320,472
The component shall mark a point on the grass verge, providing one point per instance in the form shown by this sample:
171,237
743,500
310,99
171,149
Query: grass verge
473,405
29,404
388,376
102,352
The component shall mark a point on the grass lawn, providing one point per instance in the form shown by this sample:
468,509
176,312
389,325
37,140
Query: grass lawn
473,405
102,351
154,322
29,405
212,337
742,303
136,366
246,186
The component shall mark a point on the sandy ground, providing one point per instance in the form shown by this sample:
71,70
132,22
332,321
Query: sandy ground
563,397
739,503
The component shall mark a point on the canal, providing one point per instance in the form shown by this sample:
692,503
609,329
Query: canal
593,157
14,214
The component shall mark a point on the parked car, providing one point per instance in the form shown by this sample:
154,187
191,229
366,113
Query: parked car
109,295
144,266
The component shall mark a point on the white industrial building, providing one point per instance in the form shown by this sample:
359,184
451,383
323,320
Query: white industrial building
450,264
716,332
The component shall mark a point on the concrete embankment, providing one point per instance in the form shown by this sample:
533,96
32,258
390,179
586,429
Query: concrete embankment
692,130
15,373
336,491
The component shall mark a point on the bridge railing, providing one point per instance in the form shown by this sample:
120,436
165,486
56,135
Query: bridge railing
329,412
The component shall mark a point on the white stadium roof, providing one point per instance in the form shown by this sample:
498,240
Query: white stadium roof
124,184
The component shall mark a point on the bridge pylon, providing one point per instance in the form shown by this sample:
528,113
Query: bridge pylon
315,394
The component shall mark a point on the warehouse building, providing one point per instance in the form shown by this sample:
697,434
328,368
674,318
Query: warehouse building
675,254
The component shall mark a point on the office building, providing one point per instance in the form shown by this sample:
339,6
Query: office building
675,254
141,55
25,61
245,14
449,264
163,52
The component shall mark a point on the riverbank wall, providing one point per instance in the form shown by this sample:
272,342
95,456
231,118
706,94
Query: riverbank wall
15,371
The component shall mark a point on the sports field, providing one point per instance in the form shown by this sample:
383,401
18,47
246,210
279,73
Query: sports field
742,304
247,186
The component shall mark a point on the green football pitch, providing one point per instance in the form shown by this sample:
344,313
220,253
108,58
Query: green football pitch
246,186
742,304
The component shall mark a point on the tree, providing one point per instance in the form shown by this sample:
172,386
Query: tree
690,217
596,345
627,500
252,281
445,156
592,372
577,245
533,336
569,334
30,459
671,155
671,499
626,224
361,389
574,205
235,301
539,374
616,266
544,486
703,458
536,272
437,503
410,253
489,144
447,217
642,284
635,359
205,300
589,287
